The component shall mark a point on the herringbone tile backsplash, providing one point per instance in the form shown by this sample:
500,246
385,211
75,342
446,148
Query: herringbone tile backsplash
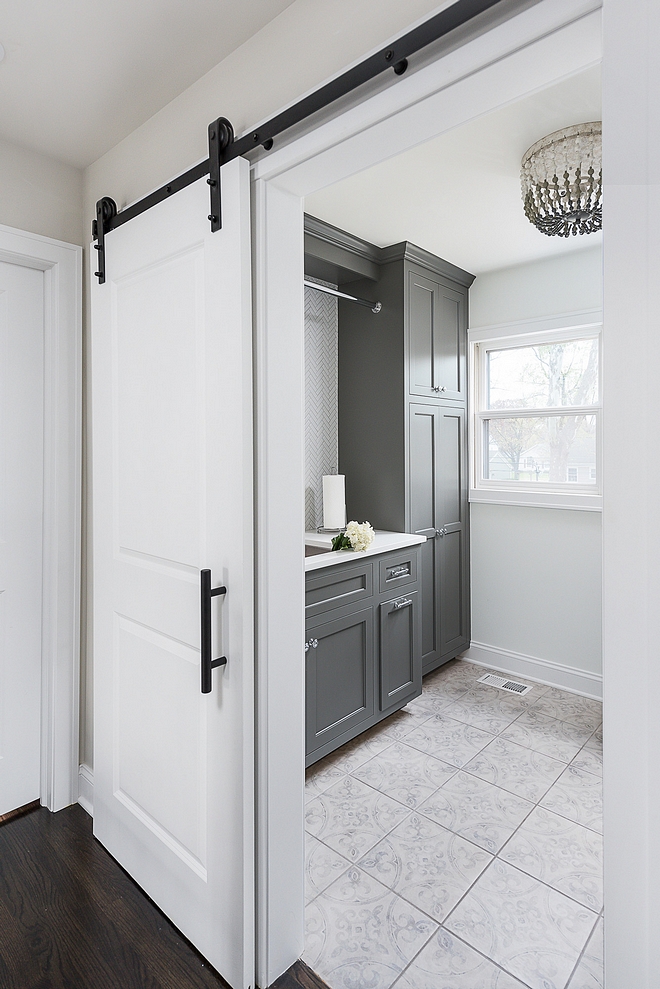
321,455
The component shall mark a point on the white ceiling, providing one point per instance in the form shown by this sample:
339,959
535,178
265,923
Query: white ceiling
79,75
458,196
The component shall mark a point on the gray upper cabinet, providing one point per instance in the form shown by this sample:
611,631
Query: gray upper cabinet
436,320
402,427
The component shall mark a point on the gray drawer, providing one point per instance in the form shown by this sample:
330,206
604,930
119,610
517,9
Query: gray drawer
335,588
398,570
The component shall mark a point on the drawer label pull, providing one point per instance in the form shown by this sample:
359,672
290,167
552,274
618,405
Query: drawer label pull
394,572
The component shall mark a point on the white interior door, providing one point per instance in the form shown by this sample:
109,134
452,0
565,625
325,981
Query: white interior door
21,511
172,452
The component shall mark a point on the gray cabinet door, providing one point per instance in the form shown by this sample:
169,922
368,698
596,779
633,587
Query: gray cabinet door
437,322
452,545
400,652
423,507
339,676
438,510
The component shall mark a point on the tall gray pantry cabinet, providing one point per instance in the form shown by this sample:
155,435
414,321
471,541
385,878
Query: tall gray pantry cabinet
402,402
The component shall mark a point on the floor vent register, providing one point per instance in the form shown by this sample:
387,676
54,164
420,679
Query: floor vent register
513,686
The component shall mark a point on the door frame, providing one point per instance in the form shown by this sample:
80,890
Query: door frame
550,40
61,264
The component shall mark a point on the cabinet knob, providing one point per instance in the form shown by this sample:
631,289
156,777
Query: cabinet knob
313,643
307,647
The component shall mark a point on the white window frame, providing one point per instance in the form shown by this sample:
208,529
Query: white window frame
569,494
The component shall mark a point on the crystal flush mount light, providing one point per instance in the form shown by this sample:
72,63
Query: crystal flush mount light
562,181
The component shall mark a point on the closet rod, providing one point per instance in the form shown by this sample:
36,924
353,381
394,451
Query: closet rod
374,306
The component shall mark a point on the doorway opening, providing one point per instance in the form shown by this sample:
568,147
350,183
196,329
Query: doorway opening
419,810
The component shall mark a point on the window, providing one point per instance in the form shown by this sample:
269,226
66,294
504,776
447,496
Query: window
536,424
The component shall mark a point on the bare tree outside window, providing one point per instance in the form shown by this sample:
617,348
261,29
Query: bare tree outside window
541,446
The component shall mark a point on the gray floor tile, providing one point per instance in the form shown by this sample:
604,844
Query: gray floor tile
432,703
578,796
452,741
361,935
547,735
320,776
426,864
477,810
522,771
590,758
532,931
589,973
448,963
577,710
351,817
354,754
486,708
405,774
561,854
402,723
322,866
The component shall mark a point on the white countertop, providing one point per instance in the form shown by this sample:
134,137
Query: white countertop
383,542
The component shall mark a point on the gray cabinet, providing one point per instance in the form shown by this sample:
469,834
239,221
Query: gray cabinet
363,656
436,320
402,427
400,653
339,675
439,510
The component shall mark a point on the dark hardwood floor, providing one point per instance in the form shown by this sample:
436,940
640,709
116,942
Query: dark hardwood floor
71,918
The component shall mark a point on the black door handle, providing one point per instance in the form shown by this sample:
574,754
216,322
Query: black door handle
207,664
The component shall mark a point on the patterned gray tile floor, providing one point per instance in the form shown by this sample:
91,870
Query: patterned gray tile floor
457,845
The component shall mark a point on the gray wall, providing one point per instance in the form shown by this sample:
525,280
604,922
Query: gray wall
536,572
320,399
40,194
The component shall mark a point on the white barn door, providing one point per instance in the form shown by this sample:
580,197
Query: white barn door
172,458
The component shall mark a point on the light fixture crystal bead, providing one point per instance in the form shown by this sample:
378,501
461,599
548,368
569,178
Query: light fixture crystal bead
562,181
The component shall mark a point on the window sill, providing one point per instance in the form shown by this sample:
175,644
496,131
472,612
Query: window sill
538,499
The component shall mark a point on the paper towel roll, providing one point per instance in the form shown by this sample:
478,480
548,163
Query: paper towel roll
334,501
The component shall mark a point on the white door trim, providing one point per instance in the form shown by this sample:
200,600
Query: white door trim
550,40
62,267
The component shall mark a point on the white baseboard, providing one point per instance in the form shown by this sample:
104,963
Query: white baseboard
539,670
86,789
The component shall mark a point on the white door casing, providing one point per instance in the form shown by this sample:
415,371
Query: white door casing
172,455
550,40
58,267
21,531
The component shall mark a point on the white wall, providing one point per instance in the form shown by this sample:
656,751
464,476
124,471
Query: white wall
310,41
536,572
40,194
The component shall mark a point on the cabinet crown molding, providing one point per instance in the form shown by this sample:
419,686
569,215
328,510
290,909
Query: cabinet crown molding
350,255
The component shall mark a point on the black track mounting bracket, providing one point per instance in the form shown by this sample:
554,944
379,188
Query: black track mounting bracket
221,135
106,210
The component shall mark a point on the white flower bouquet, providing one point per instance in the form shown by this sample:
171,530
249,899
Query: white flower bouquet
358,537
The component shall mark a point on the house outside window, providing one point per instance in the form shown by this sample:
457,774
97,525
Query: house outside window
536,424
